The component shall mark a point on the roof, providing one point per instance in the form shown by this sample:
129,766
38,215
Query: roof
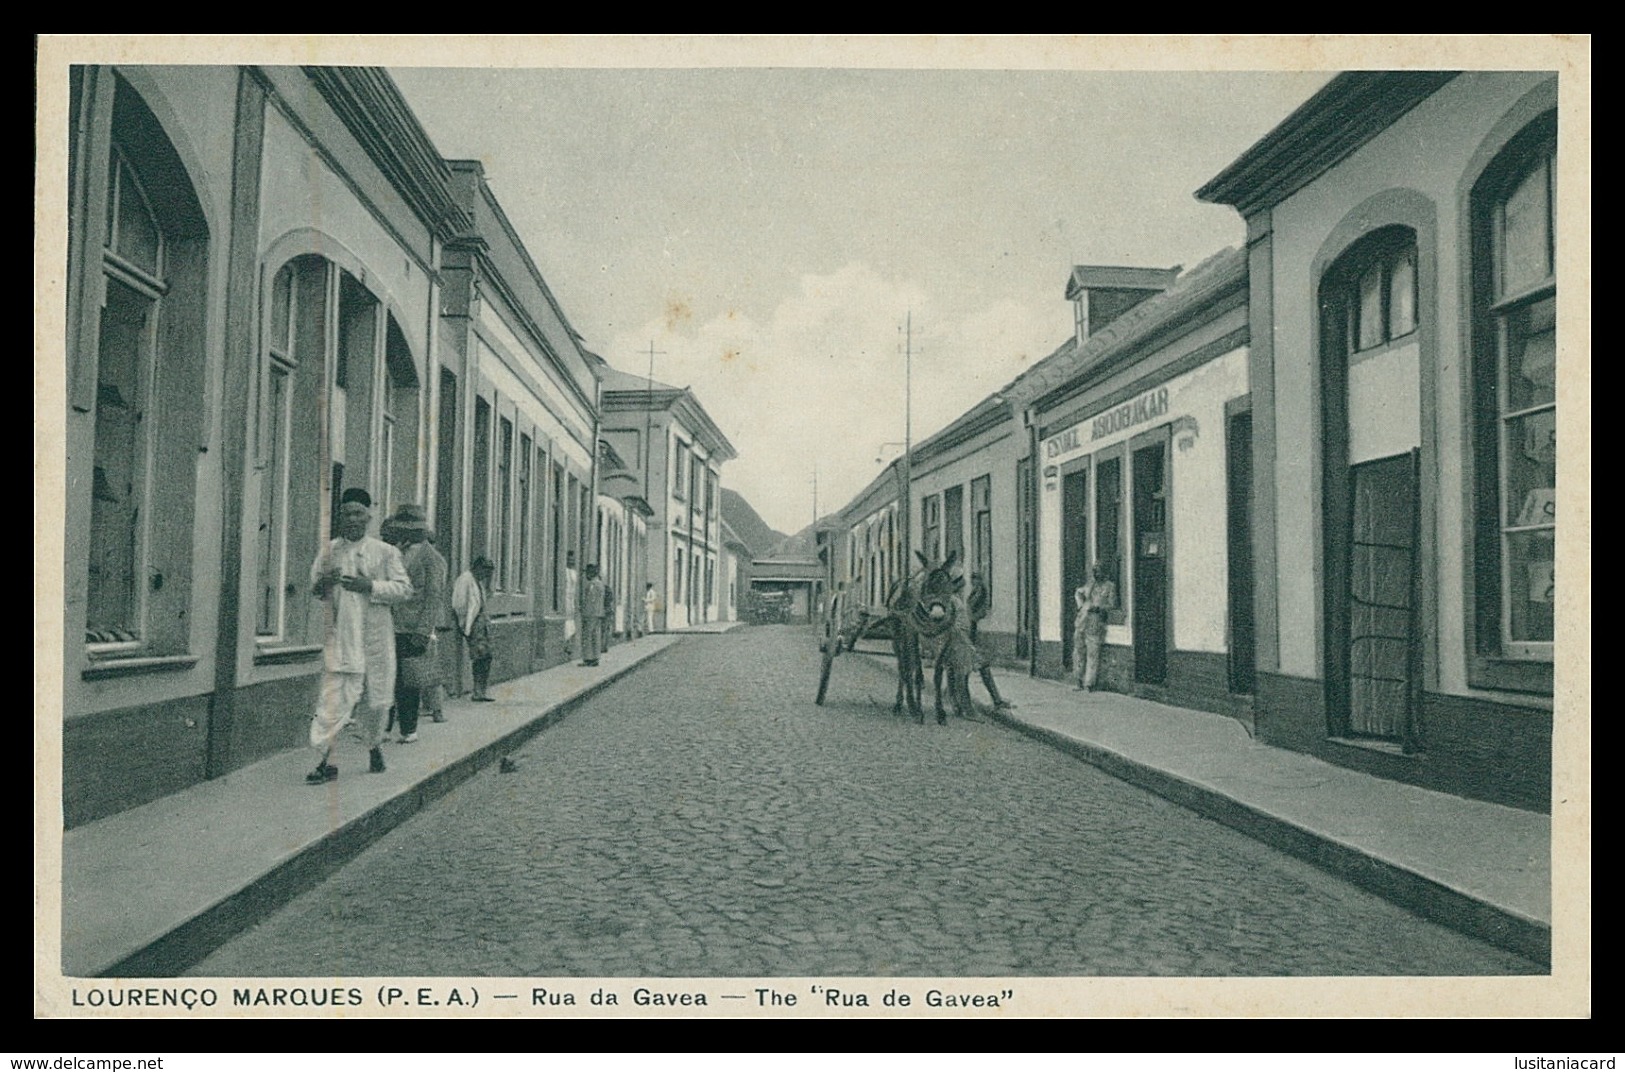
623,391
616,380
1349,111
1058,375
730,537
786,569
1103,277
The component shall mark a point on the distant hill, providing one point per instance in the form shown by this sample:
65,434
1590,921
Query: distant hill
748,524
803,544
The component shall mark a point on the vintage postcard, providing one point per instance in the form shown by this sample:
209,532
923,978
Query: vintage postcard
822,526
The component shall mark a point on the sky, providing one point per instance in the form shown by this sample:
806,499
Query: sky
769,231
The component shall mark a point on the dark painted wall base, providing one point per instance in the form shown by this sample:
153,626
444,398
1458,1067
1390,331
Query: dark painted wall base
122,759
1469,747
1196,679
553,650
273,716
1000,648
116,760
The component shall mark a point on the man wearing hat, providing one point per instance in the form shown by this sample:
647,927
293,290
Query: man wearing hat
359,577
592,616
417,679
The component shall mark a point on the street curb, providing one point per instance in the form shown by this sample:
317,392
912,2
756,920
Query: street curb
189,942
1438,903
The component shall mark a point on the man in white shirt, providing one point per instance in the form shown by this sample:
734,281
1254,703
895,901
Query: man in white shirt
359,576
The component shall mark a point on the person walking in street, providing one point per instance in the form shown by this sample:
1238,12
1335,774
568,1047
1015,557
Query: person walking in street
978,604
649,601
469,597
1093,600
416,676
359,577
592,616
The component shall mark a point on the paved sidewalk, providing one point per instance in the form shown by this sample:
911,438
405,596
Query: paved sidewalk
1484,869
151,890
707,627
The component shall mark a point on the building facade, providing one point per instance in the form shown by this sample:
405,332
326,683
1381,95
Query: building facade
278,289
1140,477
666,436
517,408
1403,292
623,540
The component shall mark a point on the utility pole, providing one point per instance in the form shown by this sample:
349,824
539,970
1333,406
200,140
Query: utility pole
908,441
648,421
815,499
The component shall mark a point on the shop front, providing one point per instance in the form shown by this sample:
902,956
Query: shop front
1144,460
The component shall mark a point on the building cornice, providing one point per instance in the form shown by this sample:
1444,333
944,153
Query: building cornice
693,414
1349,111
368,102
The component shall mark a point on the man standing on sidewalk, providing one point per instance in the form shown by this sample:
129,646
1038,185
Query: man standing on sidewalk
978,604
359,576
592,617
416,679
1093,601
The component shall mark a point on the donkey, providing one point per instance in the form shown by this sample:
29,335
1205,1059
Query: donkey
929,615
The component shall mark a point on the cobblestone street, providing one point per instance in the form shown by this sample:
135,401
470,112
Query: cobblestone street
703,817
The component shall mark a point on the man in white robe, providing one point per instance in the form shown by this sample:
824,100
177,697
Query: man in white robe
359,576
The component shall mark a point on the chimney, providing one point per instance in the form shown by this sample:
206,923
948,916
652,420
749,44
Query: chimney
1100,294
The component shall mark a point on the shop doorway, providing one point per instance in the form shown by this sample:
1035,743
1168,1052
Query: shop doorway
1074,550
1239,491
1150,594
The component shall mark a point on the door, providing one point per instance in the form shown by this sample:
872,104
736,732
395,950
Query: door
1382,602
1027,562
1074,550
1239,481
1150,593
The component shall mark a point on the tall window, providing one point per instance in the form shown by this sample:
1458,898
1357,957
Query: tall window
505,505
931,527
479,514
1108,517
1516,292
140,378
678,558
953,518
289,449
523,573
981,509
398,461
276,416
556,513
127,354
679,469
710,492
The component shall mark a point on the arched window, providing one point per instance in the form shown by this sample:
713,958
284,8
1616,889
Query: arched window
1515,373
289,451
1380,295
1371,375
148,381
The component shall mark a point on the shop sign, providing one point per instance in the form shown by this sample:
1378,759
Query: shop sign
1149,406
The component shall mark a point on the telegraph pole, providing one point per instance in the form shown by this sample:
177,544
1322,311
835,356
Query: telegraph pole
648,420
908,441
